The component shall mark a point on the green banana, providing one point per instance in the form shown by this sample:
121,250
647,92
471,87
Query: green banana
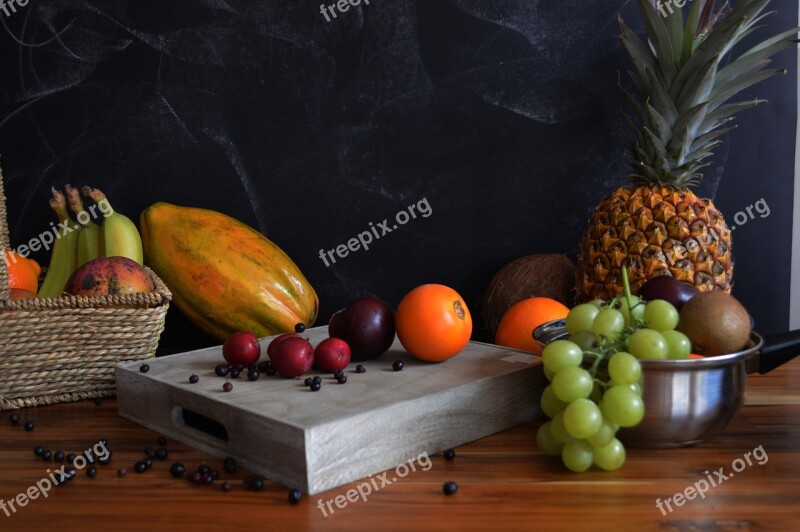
63,260
89,235
119,236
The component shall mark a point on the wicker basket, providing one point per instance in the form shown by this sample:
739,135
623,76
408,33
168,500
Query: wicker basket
66,348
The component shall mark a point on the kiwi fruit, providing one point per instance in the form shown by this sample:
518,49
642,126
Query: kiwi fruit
715,322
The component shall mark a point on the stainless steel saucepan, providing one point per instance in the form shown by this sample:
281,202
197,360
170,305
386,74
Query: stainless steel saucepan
689,401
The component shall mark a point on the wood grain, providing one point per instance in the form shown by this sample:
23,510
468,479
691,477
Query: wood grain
505,482
315,441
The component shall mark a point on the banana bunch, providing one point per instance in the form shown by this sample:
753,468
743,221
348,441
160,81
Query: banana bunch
78,242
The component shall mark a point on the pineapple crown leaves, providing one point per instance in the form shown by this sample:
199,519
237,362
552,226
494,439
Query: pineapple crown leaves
684,87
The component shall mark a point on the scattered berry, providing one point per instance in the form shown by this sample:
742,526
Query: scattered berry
177,470
229,465
449,454
149,452
59,456
195,476
341,379
29,426
308,381
361,369
253,375
214,474
193,379
227,386
257,484
161,453
221,370
226,486
315,386
14,418
299,328
144,368
47,455
398,365
271,371
207,479
140,466
450,487
105,459
98,401
38,451
234,373
91,472
121,472
162,440
295,496
203,469
71,458
338,373
317,379
148,463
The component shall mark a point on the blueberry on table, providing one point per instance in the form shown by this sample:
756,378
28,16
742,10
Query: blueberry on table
450,487
295,496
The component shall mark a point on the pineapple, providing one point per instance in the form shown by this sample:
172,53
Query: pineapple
658,226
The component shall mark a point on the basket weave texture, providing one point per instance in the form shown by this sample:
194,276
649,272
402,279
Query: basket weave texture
65,348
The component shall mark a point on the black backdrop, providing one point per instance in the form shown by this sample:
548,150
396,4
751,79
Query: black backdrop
504,116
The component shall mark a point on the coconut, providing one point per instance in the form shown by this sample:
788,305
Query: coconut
544,275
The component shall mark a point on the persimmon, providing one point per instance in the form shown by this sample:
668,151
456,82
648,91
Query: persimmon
433,323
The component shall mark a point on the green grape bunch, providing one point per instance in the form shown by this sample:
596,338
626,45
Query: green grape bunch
595,377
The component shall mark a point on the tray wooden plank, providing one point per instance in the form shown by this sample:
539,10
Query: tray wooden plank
316,441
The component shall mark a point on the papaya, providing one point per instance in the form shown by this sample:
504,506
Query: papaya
224,275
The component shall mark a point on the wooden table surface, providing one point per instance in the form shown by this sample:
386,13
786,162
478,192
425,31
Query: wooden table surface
504,481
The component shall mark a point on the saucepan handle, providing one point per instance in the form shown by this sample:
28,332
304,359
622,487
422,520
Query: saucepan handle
778,349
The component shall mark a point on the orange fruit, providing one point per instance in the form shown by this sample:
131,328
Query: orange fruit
433,323
517,324
694,355
23,273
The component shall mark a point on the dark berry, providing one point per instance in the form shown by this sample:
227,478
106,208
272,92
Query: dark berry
29,426
398,365
214,474
257,484
177,470
70,458
234,373
59,456
70,473
317,379
253,375
149,452
140,466
207,479
14,418
226,486
315,386
229,460
238,367
148,463
449,454
161,453
308,381
98,401
227,386
203,469
47,455
196,477
144,368
271,371
91,472
263,367
193,379
295,496
300,327
230,468
105,460
341,379
360,369
450,487
221,370
246,481
121,472
338,373
38,451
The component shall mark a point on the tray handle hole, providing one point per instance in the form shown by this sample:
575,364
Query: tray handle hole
203,423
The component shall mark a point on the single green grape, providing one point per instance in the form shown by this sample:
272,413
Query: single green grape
660,315
678,344
586,340
622,406
638,310
599,303
582,419
558,431
624,368
635,388
581,317
608,323
561,354
572,383
577,455
546,442
551,405
604,434
549,374
610,456
647,343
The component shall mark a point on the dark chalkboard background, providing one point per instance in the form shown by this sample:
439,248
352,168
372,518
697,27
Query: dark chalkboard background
503,115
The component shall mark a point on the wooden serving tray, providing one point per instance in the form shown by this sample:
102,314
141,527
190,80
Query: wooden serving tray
315,441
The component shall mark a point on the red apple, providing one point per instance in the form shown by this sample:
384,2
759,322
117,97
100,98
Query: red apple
293,357
332,354
241,348
367,325
277,340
